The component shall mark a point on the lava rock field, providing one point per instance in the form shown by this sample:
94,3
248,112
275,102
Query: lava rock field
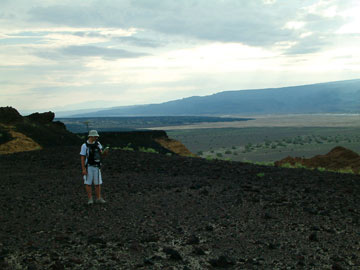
172,212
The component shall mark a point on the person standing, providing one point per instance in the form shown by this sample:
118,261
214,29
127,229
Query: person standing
91,153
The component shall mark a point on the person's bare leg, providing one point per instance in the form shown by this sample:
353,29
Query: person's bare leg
98,191
88,191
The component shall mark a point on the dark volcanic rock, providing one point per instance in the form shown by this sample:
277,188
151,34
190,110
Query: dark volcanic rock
45,117
193,240
174,255
222,262
199,251
156,216
9,115
136,139
37,127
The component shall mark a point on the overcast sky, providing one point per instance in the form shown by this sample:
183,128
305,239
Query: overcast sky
73,54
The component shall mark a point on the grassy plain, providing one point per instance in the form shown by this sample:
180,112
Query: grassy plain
270,138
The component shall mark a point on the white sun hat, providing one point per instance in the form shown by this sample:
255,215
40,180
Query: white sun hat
93,133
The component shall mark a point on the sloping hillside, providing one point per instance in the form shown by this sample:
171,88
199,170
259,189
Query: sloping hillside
332,97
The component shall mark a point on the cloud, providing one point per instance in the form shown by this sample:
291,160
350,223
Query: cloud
261,23
228,21
172,48
61,43
140,42
309,44
106,53
130,39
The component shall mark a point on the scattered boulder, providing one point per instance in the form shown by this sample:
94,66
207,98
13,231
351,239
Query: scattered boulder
95,240
193,240
222,262
174,255
199,251
337,266
314,237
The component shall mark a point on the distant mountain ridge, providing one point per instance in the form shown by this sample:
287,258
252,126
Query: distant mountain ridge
331,97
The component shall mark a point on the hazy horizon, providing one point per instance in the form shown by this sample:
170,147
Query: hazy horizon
99,54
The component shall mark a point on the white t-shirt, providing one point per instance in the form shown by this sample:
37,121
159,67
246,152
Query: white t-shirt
85,150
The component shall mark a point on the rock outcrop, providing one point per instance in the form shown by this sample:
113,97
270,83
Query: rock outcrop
339,158
9,115
45,117
174,146
145,139
32,132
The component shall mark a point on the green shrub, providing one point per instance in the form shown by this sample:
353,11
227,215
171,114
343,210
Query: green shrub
248,145
148,150
127,148
346,170
296,165
287,165
265,163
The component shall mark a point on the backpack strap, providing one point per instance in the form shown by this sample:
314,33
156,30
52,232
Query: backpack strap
88,146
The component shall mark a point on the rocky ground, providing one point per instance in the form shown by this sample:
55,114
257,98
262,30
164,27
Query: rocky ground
171,212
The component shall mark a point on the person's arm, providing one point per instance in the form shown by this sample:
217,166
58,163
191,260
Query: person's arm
105,151
83,167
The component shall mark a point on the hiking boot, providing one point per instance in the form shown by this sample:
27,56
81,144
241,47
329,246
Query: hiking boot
100,200
90,201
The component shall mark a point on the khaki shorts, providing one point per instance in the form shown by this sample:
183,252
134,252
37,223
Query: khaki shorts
93,176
